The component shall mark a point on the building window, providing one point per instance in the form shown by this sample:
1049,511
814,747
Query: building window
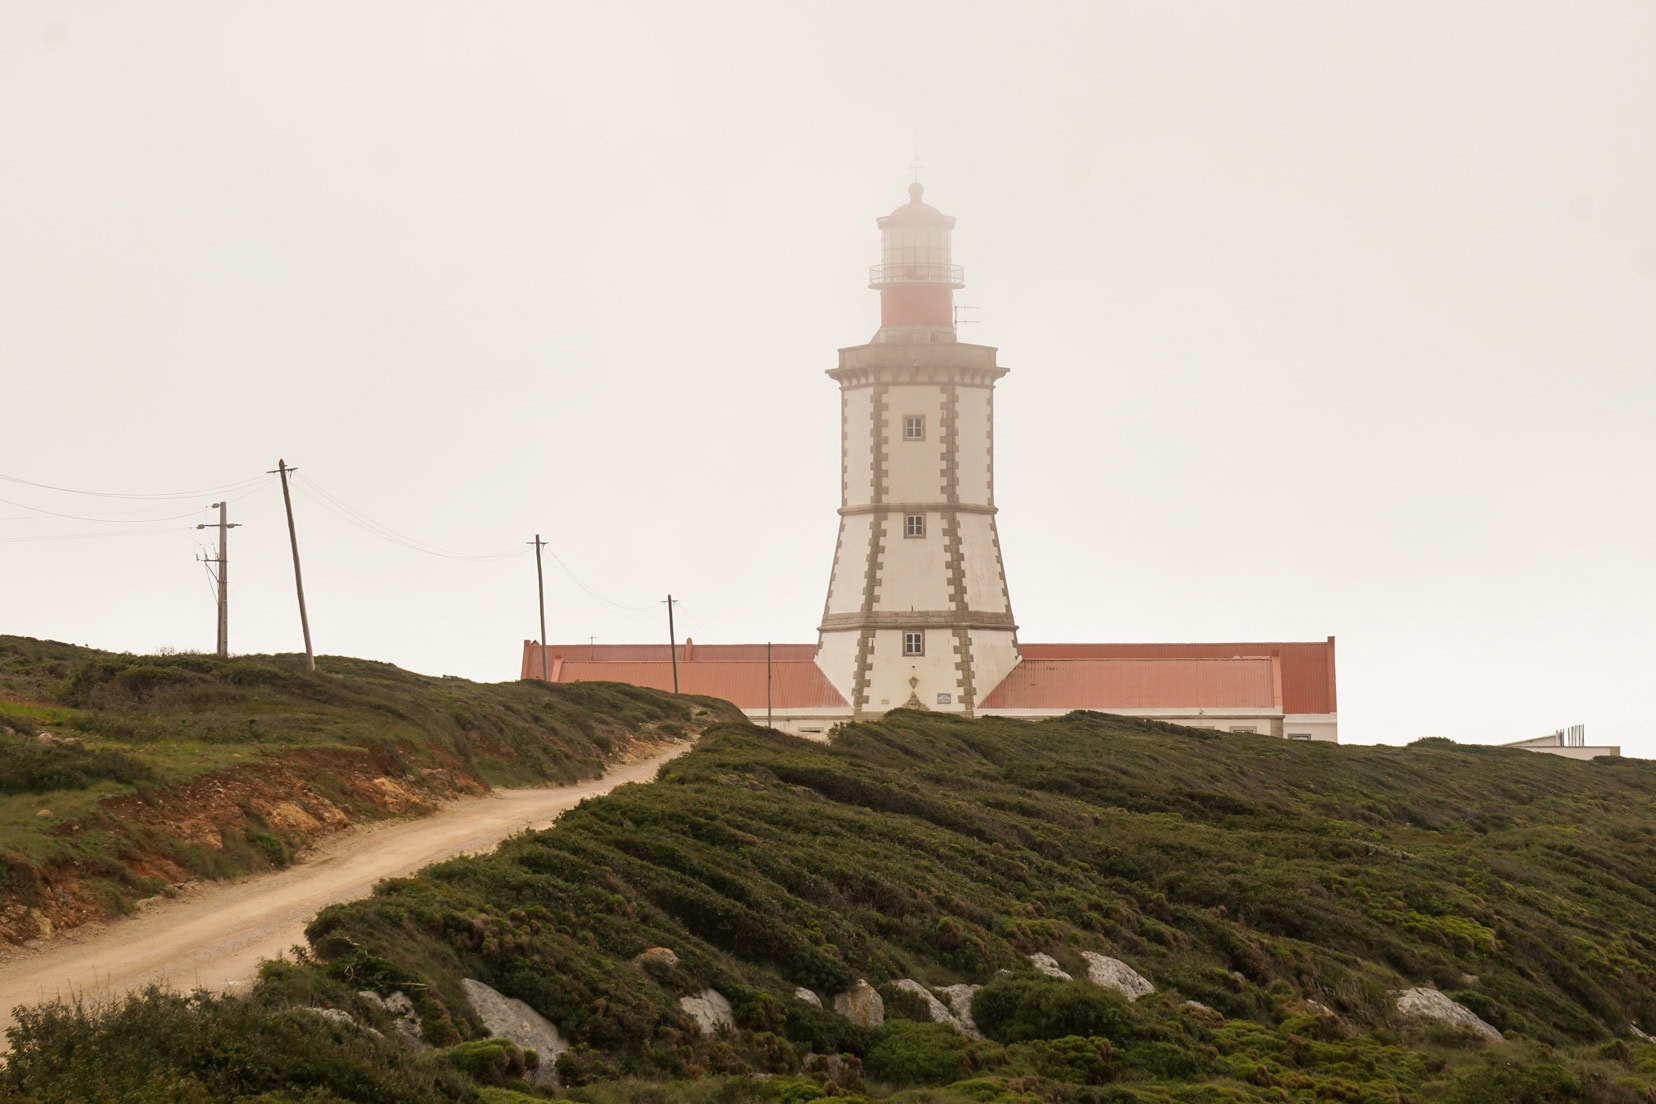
914,643
945,699
1244,728
914,525
1299,735
914,427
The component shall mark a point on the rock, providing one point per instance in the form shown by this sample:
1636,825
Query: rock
43,812
709,1009
1429,1004
1048,966
42,923
936,1009
405,1021
663,956
960,1003
1640,1035
1112,973
510,1019
861,1005
807,996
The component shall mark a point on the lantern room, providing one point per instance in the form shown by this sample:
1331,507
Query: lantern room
916,278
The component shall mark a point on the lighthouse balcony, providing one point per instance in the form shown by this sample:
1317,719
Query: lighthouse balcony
916,272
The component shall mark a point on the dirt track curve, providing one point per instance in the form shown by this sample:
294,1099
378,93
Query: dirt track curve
213,935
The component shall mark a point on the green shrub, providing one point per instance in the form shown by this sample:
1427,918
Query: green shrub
1504,1083
912,1053
1021,1008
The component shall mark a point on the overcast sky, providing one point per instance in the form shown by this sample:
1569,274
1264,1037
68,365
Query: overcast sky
1323,318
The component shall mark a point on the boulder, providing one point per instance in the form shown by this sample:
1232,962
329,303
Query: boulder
510,1019
1642,1036
1429,1004
861,1005
405,1021
709,1009
807,996
959,998
660,955
1048,966
936,1009
1112,973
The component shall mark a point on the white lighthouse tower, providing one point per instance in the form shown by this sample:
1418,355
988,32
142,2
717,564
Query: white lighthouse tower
917,612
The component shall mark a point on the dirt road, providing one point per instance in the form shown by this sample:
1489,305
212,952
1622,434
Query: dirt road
213,935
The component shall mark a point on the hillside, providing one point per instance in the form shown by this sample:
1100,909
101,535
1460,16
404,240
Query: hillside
1286,889
122,776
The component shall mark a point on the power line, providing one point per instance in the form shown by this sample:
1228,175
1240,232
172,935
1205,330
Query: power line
226,489
93,518
342,510
94,536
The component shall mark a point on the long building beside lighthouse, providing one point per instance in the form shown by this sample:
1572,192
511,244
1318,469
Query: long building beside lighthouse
918,613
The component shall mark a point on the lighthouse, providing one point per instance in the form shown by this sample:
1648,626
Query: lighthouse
918,614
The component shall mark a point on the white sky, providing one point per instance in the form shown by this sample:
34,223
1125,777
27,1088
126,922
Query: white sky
1322,318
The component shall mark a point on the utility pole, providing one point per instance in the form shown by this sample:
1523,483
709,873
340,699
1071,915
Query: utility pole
768,721
672,643
540,586
223,562
298,579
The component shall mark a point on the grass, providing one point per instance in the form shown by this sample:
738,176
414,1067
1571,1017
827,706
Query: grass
81,728
1285,888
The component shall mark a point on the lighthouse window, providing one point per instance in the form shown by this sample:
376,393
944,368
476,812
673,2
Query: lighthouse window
914,525
914,427
914,643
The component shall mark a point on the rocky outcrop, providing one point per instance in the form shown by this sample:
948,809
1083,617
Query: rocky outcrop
1640,1035
1112,973
404,1020
710,1010
656,956
1048,966
1429,1004
936,1009
861,1005
510,1019
807,996
959,998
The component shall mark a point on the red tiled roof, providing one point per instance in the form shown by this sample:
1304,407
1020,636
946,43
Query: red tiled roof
658,653
1307,666
795,683
1108,684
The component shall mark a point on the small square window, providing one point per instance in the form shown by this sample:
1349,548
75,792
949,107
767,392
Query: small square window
914,427
945,699
914,525
914,643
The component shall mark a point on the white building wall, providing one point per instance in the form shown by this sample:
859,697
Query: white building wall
837,659
972,446
984,591
859,446
993,657
845,588
935,671
914,468
912,574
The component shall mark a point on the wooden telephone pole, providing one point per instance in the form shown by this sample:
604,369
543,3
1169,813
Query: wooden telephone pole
672,643
223,562
298,579
540,586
